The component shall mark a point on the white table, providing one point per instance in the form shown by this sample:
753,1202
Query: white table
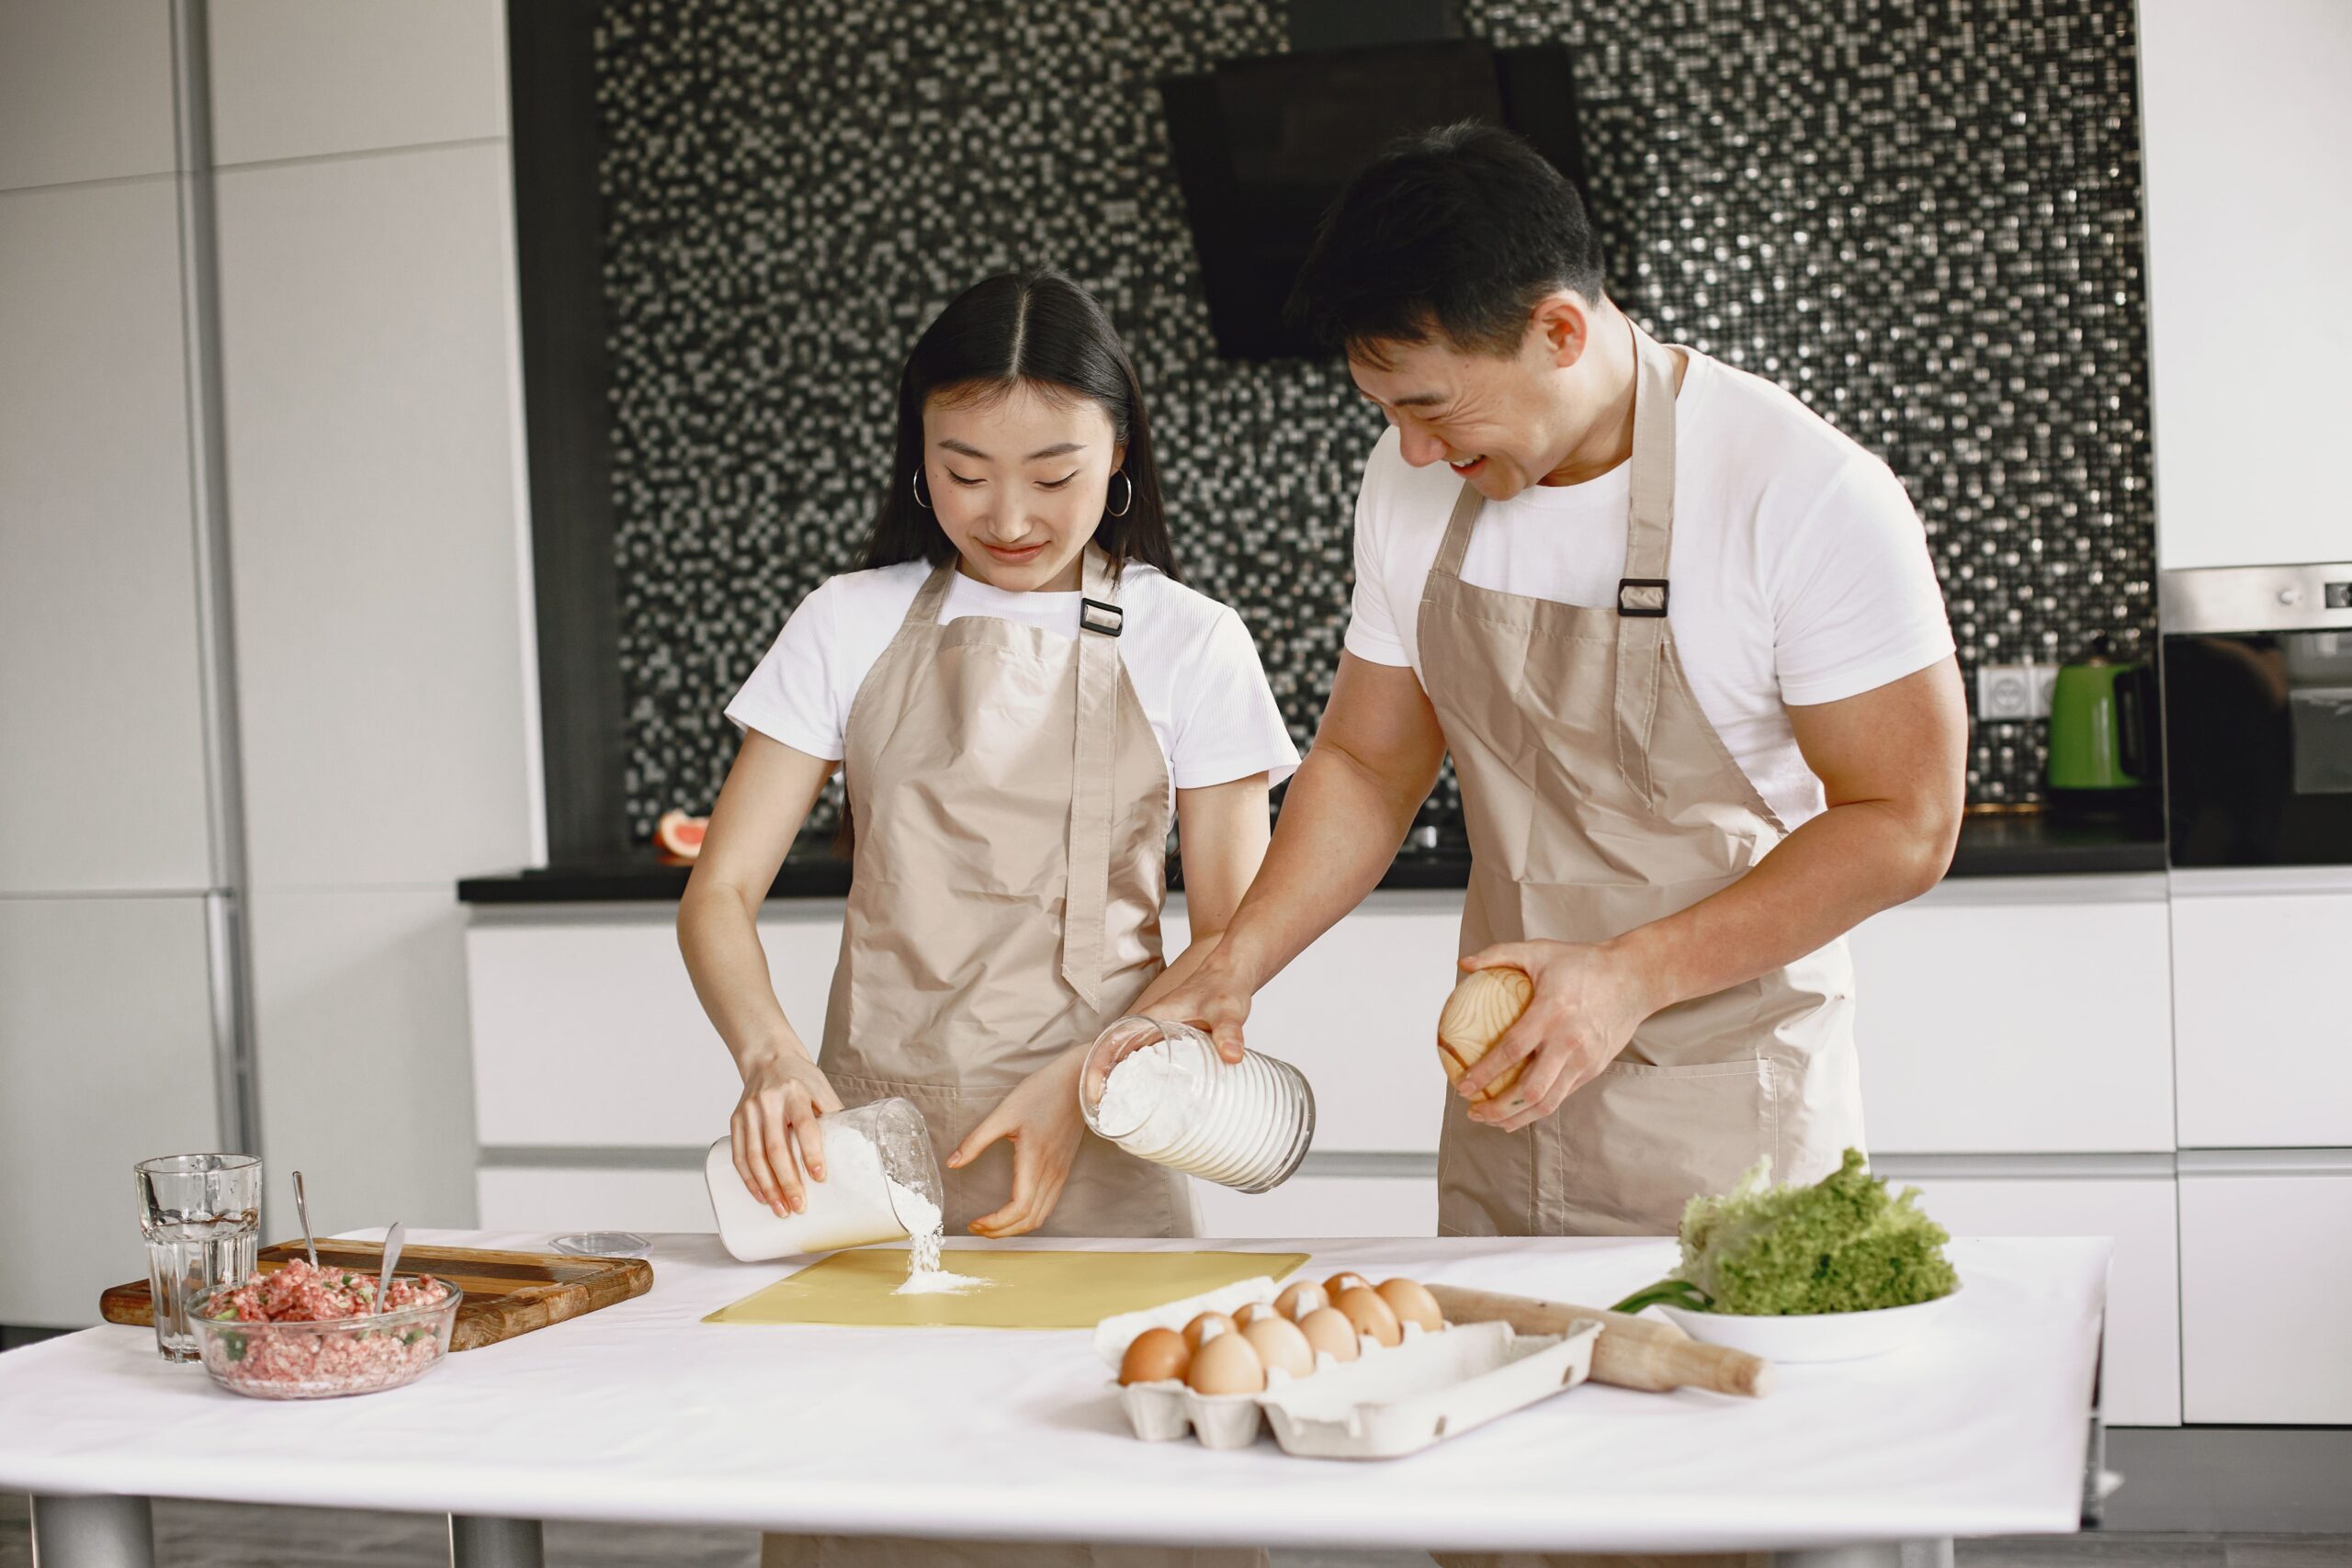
642,1412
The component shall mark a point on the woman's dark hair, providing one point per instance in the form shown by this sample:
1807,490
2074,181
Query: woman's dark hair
1458,231
1036,328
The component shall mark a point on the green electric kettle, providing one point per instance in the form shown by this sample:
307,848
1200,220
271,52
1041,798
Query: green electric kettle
2099,727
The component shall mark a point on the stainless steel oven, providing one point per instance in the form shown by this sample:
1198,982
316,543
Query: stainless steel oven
2258,699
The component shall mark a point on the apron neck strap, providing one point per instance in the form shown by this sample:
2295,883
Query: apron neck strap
932,596
1086,897
1650,524
1455,548
1649,535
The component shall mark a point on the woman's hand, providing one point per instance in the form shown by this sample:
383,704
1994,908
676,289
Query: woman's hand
1041,1119
775,1130
1589,1000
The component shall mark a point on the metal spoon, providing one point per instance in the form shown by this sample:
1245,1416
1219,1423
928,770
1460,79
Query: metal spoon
303,1213
392,1255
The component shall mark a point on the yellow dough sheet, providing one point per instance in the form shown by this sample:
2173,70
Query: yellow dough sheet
1026,1290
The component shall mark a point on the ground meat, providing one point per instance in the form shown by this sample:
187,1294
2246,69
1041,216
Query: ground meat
275,1358
299,1293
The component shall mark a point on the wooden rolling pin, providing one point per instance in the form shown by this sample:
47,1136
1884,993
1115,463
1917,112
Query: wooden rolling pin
1632,1352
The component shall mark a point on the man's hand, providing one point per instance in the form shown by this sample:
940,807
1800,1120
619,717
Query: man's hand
1589,1000
1212,1001
1041,1118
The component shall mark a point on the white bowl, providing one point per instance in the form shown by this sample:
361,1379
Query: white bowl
1817,1337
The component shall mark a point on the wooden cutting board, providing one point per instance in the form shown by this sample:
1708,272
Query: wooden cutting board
507,1293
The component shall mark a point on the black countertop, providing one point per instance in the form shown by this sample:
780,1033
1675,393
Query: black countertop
1990,845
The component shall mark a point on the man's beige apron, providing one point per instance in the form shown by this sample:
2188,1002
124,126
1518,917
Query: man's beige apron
1598,798
1012,810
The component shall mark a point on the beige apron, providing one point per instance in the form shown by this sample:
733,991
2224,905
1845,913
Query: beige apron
1598,798
1011,809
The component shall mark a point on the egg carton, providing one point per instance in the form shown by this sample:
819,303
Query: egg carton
1391,1401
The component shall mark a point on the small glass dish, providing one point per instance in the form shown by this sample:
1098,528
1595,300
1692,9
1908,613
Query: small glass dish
325,1358
602,1243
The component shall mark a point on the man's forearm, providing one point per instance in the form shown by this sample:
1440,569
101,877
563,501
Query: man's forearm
1341,826
1825,878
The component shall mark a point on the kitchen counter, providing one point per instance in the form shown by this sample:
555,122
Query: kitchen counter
644,1412
1990,845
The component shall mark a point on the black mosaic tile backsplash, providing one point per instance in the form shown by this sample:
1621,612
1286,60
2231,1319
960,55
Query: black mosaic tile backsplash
1922,216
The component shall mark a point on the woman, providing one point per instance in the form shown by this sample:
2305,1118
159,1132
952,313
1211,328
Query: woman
1020,692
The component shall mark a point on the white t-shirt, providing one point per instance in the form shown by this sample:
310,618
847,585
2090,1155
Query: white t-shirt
1190,658
1800,572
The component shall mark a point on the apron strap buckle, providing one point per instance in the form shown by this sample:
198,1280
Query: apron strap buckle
1643,608
1094,616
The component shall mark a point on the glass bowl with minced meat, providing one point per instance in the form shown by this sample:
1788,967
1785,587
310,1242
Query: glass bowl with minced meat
304,1333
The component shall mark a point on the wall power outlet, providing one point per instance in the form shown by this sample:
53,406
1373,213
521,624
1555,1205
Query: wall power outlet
2012,694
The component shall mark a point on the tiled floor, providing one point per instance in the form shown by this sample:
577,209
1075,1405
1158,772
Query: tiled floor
210,1535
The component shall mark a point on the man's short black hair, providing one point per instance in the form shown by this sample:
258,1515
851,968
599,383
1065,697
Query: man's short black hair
1459,232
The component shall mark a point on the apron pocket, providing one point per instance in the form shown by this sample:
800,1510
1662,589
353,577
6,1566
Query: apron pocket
1639,1142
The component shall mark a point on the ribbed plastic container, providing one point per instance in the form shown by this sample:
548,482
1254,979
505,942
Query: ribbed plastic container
1244,1126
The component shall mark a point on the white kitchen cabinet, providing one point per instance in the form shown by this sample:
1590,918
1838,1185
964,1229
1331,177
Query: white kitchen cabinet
2265,1252
558,1198
2017,1015
85,94
104,710
2265,1036
380,564
2243,122
2113,1197
587,1031
1312,1204
1357,1013
106,1059
291,79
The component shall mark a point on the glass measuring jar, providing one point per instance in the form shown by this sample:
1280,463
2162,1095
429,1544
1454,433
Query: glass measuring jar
1159,1090
881,1184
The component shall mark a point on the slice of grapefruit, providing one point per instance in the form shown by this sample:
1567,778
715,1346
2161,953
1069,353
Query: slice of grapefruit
679,836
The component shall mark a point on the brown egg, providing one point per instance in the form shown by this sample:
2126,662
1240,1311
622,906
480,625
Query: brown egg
1482,1007
1157,1354
1203,1327
1301,1299
1411,1303
1280,1345
1226,1363
1244,1316
1328,1330
1370,1315
1346,1280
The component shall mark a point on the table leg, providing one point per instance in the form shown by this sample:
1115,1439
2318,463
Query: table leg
1870,1554
477,1542
93,1532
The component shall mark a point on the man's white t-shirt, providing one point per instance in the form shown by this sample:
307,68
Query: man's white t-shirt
1800,572
1190,658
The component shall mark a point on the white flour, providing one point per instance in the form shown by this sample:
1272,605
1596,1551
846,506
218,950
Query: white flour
1144,1088
925,1233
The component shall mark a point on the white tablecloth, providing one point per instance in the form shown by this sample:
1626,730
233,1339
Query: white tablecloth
643,1412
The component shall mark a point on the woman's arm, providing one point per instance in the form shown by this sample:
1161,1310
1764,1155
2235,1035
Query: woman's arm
1222,829
760,812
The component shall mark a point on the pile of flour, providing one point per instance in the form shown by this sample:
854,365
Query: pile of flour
925,1233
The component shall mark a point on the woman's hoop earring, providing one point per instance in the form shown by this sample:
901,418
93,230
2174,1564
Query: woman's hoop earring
1129,504
915,484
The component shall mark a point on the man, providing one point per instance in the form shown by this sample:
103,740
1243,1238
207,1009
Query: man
1685,645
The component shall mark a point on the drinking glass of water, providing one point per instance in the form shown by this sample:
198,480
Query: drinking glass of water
202,1217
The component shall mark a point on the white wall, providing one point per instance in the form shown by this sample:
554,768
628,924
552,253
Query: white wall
106,860
378,576
374,460
2243,123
